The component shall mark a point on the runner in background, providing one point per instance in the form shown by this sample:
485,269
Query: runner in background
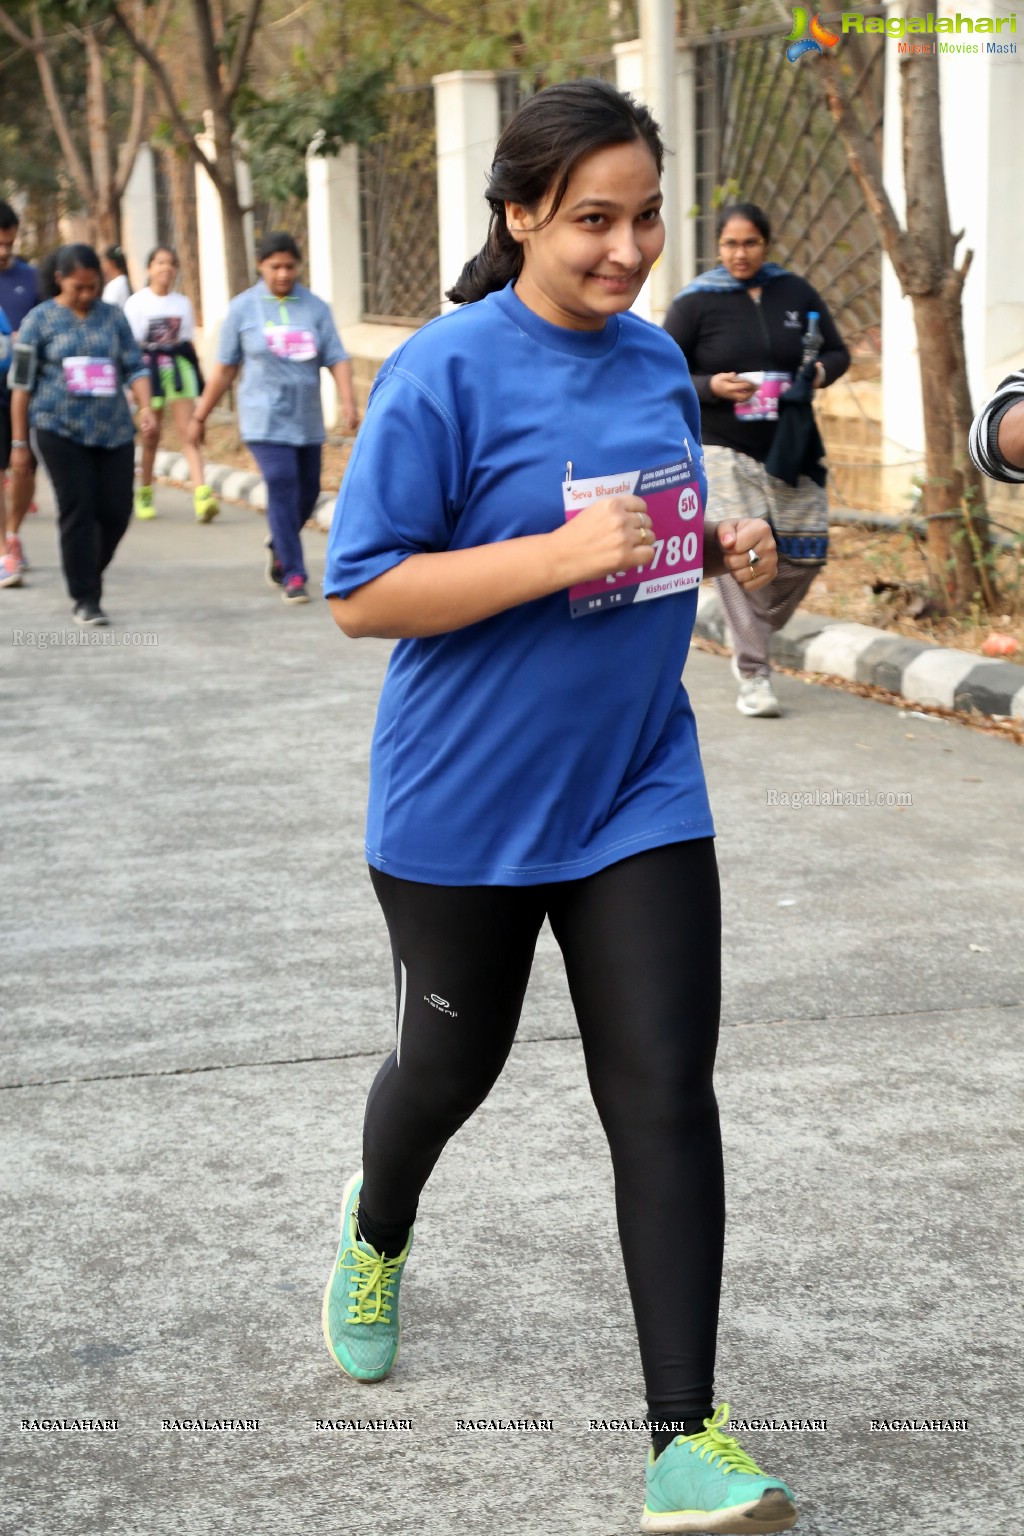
530,764
163,324
83,355
741,327
279,335
19,293
117,288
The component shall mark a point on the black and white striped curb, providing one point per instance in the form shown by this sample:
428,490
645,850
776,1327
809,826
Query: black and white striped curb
919,673
235,484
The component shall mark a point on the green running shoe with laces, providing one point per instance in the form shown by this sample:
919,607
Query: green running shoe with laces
708,1483
360,1311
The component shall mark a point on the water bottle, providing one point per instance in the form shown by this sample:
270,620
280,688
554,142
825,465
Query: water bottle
812,339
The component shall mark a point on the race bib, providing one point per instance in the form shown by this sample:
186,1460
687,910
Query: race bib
676,509
95,376
764,405
291,343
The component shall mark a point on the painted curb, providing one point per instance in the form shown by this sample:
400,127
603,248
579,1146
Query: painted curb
918,672
240,485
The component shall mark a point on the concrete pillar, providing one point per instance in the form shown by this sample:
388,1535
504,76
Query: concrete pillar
467,116
334,257
629,76
139,227
678,263
658,50
213,270
982,115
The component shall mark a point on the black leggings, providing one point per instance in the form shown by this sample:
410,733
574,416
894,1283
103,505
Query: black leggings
641,943
93,487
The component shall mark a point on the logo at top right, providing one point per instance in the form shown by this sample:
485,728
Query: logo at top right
820,38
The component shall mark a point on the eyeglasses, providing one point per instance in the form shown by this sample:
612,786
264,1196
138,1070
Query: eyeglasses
739,245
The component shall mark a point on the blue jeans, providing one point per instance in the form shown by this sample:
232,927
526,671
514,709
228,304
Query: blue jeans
293,485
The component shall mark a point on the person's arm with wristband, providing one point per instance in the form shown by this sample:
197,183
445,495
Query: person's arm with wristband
21,452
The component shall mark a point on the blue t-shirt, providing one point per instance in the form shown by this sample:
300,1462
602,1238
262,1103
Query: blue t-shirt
281,345
5,347
19,291
530,747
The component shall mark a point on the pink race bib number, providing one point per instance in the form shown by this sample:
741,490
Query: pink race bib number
95,376
291,343
676,509
764,405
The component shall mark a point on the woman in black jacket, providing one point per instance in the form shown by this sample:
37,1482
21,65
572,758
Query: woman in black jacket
742,328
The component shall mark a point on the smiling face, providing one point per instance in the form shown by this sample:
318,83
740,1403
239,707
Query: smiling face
741,247
592,258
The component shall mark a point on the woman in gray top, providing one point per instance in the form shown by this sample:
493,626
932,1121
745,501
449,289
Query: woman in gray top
279,336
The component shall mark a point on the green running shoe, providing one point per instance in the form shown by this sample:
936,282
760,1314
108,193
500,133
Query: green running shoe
144,508
707,1482
205,503
360,1311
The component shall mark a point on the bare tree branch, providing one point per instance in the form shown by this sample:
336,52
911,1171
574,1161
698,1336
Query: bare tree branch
182,127
137,125
37,44
242,48
12,29
863,161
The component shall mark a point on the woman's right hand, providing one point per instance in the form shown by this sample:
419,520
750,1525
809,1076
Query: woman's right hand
729,386
609,535
195,432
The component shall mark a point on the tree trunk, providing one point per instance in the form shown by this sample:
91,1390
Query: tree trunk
923,257
181,176
105,210
236,250
956,527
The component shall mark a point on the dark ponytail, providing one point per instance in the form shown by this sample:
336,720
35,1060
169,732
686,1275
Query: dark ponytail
535,157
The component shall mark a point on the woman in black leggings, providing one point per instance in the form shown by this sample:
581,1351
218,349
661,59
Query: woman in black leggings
524,511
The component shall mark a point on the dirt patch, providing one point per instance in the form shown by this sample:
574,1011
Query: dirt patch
862,560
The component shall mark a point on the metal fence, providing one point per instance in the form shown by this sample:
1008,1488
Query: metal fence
398,209
517,85
764,135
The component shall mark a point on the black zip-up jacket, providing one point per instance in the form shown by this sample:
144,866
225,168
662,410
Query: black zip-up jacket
733,333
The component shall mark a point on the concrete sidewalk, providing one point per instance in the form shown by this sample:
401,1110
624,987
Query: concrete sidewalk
197,991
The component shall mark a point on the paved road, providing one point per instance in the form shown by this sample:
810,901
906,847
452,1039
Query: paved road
196,992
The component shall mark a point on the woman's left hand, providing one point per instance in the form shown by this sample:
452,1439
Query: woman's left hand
147,422
738,538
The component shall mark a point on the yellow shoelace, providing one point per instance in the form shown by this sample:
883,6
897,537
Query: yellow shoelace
720,1449
370,1288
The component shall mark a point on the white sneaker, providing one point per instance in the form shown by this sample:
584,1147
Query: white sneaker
757,697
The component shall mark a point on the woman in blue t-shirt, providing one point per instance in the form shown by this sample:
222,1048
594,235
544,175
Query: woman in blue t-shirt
535,754
280,336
